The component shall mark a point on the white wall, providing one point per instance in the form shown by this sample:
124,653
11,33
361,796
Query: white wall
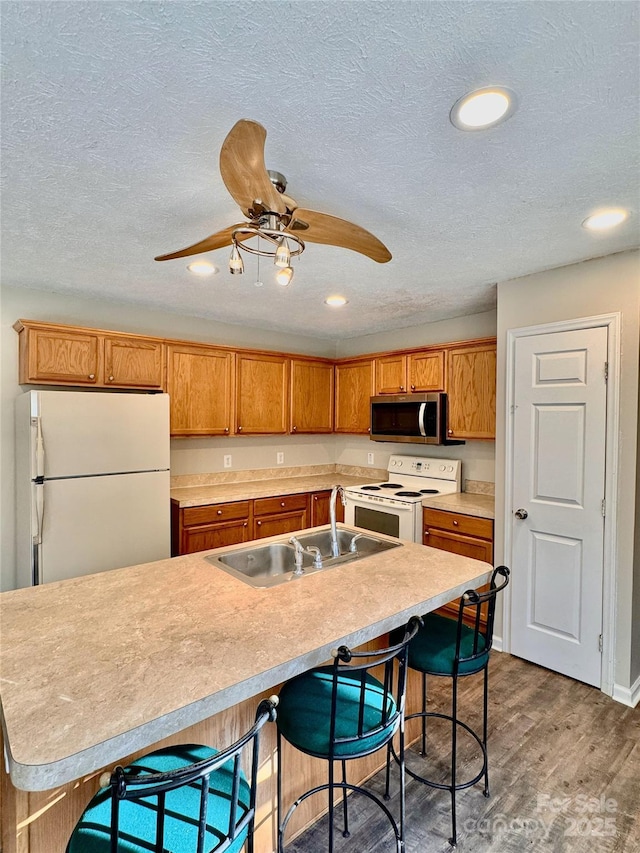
601,286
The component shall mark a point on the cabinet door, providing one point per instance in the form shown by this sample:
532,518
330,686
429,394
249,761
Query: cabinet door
61,357
209,536
471,389
426,371
391,374
466,546
320,508
311,396
280,524
131,363
354,389
261,394
200,382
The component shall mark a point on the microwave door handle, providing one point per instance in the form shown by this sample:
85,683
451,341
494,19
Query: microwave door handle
421,414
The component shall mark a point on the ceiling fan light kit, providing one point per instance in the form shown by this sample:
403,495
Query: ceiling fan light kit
273,216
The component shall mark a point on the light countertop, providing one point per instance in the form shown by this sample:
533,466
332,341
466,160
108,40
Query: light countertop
200,495
464,502
95,668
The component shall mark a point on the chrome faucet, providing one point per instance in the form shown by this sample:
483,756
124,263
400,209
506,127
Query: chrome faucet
353,548
299,555
317,556
335,550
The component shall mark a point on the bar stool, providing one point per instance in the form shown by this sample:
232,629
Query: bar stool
341,712
183,799
454,649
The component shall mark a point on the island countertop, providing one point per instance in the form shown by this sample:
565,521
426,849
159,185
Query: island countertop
97,667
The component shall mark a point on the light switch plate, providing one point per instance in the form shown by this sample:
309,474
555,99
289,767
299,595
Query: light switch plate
226,460
369,458
280,458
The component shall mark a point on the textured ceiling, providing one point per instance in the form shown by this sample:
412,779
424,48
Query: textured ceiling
113,115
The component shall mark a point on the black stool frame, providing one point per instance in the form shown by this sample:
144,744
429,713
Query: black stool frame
471,601
126,786
389,725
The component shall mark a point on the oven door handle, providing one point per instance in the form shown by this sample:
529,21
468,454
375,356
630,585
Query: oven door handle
421,413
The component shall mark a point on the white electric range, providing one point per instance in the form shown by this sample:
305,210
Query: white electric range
394,507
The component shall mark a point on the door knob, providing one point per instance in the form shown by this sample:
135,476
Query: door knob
521,513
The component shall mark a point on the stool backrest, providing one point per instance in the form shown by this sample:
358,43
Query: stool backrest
355,668
125,786
475,602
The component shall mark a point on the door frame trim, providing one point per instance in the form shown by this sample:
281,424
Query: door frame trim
612,322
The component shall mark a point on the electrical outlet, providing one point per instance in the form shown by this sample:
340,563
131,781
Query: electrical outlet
227,460
280,458
369,458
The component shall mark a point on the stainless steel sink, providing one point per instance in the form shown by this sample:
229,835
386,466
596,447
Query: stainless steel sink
268,565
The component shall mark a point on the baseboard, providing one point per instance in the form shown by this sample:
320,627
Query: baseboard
497,643
627,695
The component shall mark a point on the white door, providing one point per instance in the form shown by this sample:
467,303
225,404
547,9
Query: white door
559,448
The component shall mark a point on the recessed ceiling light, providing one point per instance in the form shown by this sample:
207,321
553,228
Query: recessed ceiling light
336,301
604,219
202,268
483,108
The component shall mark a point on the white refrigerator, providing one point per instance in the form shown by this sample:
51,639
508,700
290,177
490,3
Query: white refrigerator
92,474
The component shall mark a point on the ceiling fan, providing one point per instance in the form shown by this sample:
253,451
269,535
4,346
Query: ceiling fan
272,215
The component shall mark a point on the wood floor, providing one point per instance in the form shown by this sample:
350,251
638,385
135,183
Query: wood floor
564,771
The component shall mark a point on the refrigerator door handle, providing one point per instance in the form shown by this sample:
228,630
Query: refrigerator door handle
37,517
38,445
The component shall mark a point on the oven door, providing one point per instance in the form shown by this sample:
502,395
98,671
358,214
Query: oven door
404,521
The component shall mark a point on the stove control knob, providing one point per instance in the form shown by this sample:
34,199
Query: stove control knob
450,468
443,467
399,463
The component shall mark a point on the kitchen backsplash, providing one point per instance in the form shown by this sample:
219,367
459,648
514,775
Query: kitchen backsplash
479,487
250,475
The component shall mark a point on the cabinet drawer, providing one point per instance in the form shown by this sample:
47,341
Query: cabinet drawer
470,525
466,546
284,503
215,512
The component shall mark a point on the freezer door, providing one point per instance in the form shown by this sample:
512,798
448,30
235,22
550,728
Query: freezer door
91,524
88,432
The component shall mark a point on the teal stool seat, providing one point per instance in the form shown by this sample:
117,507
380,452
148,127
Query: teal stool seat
434,648
137,818
188,798
304,713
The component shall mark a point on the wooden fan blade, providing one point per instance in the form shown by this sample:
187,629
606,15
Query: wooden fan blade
314,227
215,241
243,170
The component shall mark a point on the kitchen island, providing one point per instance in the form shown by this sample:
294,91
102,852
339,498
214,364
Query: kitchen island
99,668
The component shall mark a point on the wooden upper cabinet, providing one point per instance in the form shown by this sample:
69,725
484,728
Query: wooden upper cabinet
311,396
200,384
262,393
471,390
406,373
67,355
391,374
133,363
426,371
354,389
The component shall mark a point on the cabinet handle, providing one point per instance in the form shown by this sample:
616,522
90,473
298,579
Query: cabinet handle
219,512
226,430
239,429
450,432
245,524
92,376
111,379
455,523
315,497
282,503
402,387
413,387
259,523
426,533
294,429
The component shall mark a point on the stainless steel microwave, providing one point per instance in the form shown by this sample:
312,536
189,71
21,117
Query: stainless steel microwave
411,418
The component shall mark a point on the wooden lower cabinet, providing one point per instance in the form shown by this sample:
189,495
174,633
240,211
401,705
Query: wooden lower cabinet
320,508
201,528
462,534
280,515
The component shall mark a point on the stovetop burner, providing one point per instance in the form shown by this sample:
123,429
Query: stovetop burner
371,488
429,491
408,494
390,485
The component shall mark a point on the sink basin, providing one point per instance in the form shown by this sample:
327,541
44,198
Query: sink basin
268,565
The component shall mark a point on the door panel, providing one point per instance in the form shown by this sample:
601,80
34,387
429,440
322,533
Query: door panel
559,453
